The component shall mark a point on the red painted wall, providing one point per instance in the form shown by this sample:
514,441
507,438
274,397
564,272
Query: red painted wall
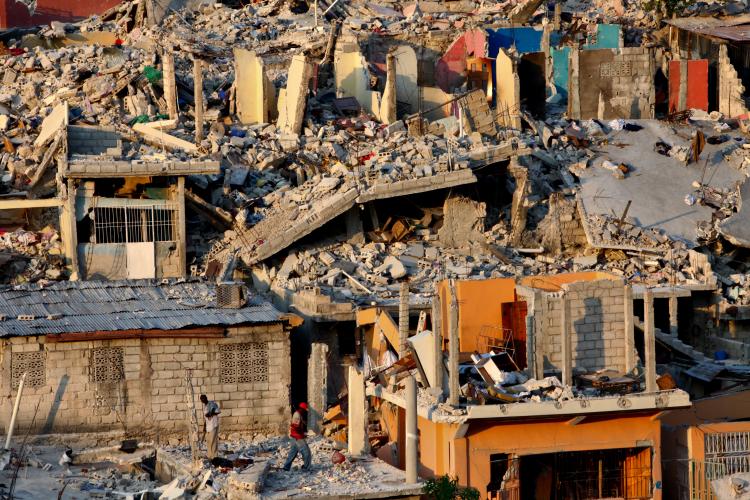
449,71
15,14
697,85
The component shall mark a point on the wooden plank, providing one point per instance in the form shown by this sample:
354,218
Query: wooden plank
193,333
16,204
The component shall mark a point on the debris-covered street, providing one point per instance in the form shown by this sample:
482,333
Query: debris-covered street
346,249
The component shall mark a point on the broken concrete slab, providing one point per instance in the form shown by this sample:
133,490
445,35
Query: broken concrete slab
658,185
293,100
55,121
737,227
163,139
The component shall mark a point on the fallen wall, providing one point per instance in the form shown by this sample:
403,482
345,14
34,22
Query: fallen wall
609,84
252,87
352,77
105,385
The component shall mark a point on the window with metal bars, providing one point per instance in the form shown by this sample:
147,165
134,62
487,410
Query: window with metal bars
137,224
730,449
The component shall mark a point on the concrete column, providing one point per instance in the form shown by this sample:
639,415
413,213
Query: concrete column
170,86
567,358
674,327
453,348
649,340
557,18
630,352
198,96
388,103
438,338
181,225
317,384
69,231
357,415
412,436
403,320
530,347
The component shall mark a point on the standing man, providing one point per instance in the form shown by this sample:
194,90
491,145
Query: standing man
211,426
297,432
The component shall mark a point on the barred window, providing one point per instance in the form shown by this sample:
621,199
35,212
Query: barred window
34,364
107,364
243,363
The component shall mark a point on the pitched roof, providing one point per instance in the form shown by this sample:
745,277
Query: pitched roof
89,306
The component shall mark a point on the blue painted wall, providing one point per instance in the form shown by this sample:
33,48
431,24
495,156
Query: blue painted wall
607,37
525,38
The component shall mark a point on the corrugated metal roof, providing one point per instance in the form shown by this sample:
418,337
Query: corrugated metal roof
736,28
88,306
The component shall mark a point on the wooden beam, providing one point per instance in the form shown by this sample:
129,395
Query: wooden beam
16,204
192,333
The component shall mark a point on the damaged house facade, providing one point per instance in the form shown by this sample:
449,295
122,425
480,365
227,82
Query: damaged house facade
102,356
536,416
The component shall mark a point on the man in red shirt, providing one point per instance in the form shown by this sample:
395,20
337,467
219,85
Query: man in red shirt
297,432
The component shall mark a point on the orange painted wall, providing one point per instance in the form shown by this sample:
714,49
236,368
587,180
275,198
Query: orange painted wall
479,303
468,458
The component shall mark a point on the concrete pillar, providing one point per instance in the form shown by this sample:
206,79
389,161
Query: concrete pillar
453,348
170,86
69,231
649,340
181,225
388,103
317,384
674,327
558,16
438,338
403,320
630,352
412,436
198,96
357,415
530,347
567,357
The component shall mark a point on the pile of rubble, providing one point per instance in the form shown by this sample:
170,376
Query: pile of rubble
28,256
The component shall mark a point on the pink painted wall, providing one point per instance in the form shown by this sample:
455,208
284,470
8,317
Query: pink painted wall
449,71
15,14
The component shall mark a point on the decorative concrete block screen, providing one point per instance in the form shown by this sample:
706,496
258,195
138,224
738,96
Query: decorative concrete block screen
107,364
34,364
244,362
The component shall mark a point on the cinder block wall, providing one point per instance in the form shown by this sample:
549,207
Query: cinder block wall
151,399
94,140
623,77
597,328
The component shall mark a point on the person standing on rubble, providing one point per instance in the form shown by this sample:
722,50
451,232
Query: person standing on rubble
297,432
211,426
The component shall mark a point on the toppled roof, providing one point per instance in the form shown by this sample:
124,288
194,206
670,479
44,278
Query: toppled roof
733,28
89,306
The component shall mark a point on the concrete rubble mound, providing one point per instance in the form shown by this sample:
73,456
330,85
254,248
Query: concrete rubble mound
489,214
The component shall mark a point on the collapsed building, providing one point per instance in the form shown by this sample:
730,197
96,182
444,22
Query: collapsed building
536,213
